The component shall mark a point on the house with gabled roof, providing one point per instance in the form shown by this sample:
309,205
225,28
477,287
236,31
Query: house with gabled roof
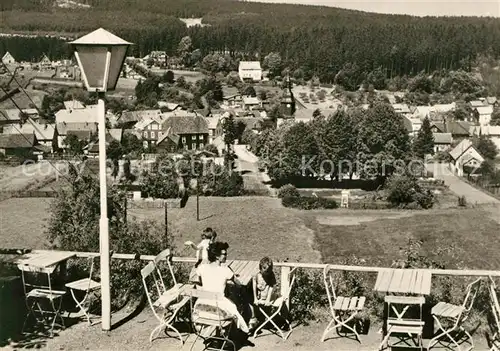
45,62
401,108
192,130
46,134
463,155
150,128
73,105
477,103
482,114
111,134
168,142
250,71
129,118
458,129
442,141
17,144
8,59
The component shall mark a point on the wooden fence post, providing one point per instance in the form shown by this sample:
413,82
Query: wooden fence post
285,283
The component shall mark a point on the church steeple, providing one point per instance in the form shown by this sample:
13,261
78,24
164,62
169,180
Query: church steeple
287,98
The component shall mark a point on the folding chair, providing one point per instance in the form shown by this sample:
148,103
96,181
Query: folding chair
85,286
210,322
343,309
495,309
454,315
164,303
39,294
278,308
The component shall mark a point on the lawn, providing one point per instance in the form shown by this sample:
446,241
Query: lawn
258,226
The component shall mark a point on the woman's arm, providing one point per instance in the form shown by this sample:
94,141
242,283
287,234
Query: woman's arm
254,288
269,294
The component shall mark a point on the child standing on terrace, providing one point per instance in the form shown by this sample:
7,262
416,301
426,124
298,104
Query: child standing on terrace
207,237
263,286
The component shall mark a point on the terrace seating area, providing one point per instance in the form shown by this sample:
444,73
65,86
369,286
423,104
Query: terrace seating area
190,315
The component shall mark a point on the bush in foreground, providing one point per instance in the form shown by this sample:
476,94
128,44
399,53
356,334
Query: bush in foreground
288,190
404,191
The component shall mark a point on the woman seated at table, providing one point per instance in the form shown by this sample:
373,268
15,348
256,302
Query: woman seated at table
214,277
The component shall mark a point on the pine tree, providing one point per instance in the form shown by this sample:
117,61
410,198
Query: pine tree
424,142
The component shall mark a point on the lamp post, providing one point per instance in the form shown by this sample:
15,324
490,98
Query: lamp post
100,56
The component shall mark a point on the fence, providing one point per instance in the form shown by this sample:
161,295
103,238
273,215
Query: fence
484,185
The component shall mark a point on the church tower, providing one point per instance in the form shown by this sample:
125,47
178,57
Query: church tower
287,99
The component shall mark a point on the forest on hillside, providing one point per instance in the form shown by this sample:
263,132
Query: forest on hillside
318,40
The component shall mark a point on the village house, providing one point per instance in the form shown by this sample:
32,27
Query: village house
20,145
433,112
212,124
150,129
412,125
129,118
73,105
8,59
490,132
82,130
251,102
45,63
458,129
482,114
250,71
168,142
46,134
477,103
401,108
231,101
192,130
159,58
465,155
442,141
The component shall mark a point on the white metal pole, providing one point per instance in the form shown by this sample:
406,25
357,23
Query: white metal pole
103,223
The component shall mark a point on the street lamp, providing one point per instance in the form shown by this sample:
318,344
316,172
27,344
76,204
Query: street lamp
100,56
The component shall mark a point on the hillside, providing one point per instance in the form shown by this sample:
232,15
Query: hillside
316,39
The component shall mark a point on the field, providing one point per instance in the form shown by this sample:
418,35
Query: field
28,177
258,226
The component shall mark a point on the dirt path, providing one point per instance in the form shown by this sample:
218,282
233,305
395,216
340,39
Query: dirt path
459,187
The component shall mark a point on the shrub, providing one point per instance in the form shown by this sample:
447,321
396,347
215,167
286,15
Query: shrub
404,190
288,190
308,295
221,181
308,202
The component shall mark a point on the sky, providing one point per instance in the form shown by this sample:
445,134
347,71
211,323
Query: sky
410,7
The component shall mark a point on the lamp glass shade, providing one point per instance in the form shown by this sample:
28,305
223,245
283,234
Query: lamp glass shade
115,67
92,60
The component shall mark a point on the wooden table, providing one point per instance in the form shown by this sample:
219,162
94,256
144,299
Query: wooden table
44,259
404,281
399,283
243,271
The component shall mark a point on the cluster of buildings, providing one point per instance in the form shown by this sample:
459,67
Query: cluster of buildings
64,69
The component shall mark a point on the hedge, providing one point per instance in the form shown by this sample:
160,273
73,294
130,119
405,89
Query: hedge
308,202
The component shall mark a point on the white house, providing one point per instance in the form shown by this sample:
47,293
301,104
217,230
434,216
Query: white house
491,132
250,70
483,114
465,154
8,59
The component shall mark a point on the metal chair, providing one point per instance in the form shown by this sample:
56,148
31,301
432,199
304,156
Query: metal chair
495,310
164,303
455,315
41,299
88,287
210,322
278,308
343,309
